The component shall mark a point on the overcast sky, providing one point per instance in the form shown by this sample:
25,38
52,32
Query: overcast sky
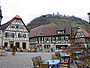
30,9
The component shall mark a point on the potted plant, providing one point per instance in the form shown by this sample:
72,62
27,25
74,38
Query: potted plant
14,49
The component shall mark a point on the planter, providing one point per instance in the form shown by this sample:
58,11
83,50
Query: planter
13,53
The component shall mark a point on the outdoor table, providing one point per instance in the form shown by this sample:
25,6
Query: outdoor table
53,63
65,56
77,53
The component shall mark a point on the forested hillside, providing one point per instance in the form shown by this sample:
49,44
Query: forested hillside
51,18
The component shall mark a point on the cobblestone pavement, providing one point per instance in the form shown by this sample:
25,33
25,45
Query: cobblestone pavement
21,59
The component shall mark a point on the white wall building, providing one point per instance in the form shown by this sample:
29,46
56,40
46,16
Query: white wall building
15,32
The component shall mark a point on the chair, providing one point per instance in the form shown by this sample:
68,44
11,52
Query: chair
69,53
39,59
59,57
73,56
44,66
35,63
79,66
55,58
63,66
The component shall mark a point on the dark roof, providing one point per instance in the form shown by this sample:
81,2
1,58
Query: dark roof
50,29
4,26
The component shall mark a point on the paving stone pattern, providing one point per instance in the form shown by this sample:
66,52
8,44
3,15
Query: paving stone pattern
21,59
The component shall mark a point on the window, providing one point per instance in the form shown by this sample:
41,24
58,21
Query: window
58,47
17,20
41,39
6,34
60,32
21,27
12,35
62,38
24,35
46,46
12,26
67,38
59,38
19,35
53,38
47,38
17,26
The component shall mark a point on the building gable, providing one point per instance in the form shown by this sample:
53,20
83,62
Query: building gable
79,33
16,22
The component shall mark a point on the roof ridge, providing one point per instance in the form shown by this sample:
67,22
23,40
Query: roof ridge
17,16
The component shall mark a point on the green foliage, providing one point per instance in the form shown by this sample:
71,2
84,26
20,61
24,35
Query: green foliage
3,47
14,48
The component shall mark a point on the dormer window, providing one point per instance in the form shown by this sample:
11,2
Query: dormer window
60,32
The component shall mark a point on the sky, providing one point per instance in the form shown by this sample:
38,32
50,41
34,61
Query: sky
30,9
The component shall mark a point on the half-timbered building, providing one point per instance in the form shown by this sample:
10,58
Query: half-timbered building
81,36
14,33
51,37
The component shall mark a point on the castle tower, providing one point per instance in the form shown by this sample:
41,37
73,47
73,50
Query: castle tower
0,15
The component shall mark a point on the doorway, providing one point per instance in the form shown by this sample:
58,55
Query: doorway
6,44
24,45
18,44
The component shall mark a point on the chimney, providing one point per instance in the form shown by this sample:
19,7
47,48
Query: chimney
89,17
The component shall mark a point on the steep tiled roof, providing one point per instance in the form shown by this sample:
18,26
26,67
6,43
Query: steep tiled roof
50,29
4,26
17,16
86,34
74,31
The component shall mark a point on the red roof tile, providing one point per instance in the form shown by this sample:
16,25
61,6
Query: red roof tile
10,21
17,16
85,32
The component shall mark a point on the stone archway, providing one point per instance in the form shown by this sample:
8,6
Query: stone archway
6,44
11,44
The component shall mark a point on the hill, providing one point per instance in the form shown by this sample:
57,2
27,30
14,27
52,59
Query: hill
49,18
